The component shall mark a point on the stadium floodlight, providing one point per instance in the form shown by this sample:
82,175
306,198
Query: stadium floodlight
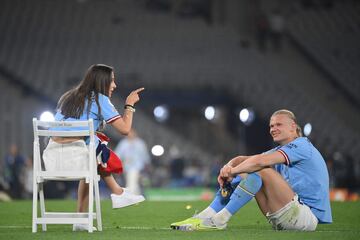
307,129
47,116
209,113
161,113
246,116
157,150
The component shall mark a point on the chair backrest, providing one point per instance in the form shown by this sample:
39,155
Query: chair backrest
63,129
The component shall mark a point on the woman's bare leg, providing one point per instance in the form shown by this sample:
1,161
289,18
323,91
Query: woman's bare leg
111,183
83,191
83,196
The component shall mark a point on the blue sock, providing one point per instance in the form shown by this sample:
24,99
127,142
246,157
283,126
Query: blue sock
244,192
219,201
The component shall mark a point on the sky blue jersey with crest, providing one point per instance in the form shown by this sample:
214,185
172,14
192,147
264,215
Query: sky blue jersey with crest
108,113
306,172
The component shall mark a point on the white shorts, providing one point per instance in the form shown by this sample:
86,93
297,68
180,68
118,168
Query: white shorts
66,156
294,216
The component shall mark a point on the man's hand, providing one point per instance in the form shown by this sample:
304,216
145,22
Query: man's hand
225,172
221,181
224,175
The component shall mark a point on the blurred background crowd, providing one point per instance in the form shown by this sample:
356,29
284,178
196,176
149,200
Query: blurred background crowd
214,71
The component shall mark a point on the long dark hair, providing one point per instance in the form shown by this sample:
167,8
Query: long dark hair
96,80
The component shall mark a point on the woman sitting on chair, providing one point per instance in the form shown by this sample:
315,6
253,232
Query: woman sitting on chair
91,99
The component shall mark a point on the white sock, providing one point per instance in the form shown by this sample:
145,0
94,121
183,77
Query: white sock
222,217
207,213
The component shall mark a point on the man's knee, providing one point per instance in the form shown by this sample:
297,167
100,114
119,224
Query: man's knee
273,180
267,173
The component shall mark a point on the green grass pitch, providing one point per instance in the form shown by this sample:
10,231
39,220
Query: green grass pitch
151,220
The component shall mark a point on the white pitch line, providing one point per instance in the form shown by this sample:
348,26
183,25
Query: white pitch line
116,227
155,228
138,228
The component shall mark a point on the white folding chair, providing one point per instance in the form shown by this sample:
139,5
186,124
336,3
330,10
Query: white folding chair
42,129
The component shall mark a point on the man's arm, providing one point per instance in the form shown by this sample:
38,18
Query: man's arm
237,160
254,163
231,164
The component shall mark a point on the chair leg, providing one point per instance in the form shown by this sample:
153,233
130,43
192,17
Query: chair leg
35,204
42,203
97,203
91,206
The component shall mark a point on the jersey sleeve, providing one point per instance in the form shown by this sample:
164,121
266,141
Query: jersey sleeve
295,151
108,111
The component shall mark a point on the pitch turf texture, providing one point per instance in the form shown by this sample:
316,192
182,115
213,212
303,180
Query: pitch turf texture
151,220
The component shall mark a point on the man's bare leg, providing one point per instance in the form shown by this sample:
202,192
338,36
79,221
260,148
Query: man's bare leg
275,192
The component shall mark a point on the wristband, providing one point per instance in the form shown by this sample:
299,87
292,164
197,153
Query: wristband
129,107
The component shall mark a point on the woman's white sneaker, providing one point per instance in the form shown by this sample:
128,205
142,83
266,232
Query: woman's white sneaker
125,199
81,227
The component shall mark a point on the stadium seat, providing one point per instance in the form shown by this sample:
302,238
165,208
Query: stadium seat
41,175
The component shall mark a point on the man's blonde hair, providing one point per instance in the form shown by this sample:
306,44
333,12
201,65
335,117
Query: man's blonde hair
291,115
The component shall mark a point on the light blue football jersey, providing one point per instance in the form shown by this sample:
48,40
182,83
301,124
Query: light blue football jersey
306,172
108,113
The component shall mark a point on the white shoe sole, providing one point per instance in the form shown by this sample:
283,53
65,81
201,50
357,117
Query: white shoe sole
81,227
126,204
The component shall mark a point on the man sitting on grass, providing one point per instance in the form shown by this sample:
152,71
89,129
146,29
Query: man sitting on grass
290,184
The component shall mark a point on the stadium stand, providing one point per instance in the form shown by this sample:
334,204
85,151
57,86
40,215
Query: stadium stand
331,37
